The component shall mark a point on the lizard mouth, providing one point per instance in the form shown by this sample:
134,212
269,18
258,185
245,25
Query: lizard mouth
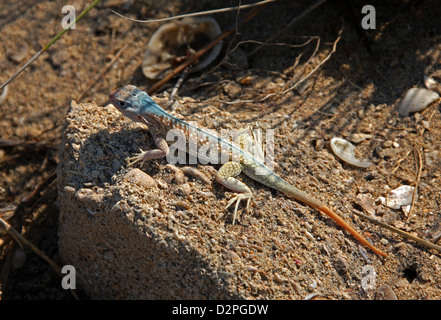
112,98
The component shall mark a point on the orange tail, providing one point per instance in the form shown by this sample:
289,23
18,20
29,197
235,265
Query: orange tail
347,227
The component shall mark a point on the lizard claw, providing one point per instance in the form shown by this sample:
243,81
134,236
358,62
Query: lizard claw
137,158
239,197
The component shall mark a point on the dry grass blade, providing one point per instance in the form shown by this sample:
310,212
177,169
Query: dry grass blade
195,14
417,181
402,233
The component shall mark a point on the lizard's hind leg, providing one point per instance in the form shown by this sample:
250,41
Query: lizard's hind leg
226,176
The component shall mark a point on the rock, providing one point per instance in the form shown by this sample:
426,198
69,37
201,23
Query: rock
385,292
359,137
18,53
141,178
366,201
341,263
113,231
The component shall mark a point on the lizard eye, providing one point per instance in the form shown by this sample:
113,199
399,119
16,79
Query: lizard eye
122,104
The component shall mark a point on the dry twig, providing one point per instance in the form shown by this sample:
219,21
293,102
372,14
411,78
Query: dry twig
401,160
417,180
32,197
399,231
334,48
23,241
21,143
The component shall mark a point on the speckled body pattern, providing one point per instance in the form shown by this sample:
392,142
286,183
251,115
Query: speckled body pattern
138,106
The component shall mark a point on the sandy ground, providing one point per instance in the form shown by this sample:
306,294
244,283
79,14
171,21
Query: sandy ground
356,91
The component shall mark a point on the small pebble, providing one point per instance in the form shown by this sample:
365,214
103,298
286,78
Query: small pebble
246,79
182,204
366,201
426,124
342,263
311,296
251,269
385,292
431,157
233,256
232,89
278,278
85,194
206,194
18,55
178,236
183,190
69,190
429,82
319,144
359,137
196,173
139,177
313,284
179,175
401,196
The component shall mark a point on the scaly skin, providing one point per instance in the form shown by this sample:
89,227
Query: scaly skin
138,106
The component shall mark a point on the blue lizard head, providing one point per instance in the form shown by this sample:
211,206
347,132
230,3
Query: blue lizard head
133,103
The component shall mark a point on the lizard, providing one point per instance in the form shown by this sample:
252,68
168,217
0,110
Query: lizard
138,106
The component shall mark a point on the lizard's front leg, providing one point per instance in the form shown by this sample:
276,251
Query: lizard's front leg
161,152
226,176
